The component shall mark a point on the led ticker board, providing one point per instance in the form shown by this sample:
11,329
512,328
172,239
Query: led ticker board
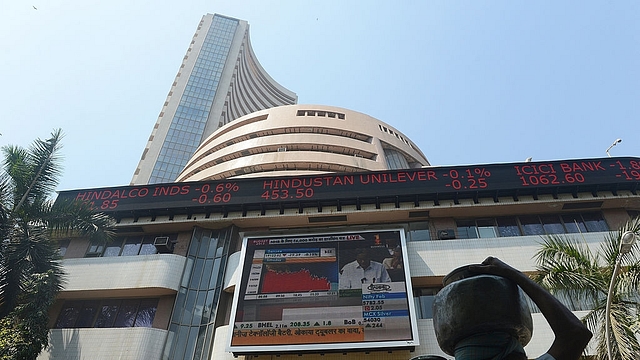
300,293
442,182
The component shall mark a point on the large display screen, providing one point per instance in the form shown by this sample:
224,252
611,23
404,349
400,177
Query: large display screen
621,173
300,293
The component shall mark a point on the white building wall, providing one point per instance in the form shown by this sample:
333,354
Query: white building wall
163,271
105,344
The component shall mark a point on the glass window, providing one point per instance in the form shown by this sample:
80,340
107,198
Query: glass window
96,247
594,222
86,314
531,225
486,228
113,248
467,229
573,223
132,246
508,226
419,231
146,313
68,315
126,313
423,299
107,314
147,247
552,224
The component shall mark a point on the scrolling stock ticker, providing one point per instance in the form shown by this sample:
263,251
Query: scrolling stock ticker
624,171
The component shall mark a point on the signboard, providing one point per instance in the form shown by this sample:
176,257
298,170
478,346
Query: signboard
619,173
298,293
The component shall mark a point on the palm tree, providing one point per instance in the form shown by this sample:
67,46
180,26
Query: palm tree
568,267
30,270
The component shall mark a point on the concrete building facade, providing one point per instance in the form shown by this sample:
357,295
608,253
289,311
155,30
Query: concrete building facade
176,285
301,140
219,80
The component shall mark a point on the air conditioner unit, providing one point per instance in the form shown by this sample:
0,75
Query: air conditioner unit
446,234
281,149
163,244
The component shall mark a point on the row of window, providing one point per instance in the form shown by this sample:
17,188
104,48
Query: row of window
111,313
330,114
125,246
525,225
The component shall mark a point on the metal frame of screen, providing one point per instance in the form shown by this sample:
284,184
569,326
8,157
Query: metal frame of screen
328,291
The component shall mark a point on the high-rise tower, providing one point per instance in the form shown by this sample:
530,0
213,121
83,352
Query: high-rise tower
219,80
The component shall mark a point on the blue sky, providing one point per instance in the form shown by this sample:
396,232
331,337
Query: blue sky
469,82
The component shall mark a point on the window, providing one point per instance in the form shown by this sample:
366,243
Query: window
508,226
126,246
107,313
423,300
531,225
467,229
419,231
480,228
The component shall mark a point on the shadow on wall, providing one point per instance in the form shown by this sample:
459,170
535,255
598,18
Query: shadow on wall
63,344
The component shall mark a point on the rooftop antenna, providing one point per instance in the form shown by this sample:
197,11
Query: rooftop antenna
612,145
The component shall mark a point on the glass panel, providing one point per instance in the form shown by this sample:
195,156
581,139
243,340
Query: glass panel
132,246
531,225
426,306
188,307
204,244
206,274
508,226
147,246
146,313
208,307
487,232
181,342
200,343
68,315
419,231
195,242
87,313
552,224
197,309
573,223
107,314
215,273
467,229
213,245
95,248
113,248
127,313
594,222
196,274
191,343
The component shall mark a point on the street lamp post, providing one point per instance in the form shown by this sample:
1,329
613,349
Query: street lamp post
627,240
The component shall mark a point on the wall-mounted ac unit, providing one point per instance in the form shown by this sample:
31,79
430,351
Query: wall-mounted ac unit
282,149
446,234
163,244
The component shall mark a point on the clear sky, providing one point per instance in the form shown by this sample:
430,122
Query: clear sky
470,82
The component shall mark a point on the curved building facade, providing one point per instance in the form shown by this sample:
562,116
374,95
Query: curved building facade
220,79
301,140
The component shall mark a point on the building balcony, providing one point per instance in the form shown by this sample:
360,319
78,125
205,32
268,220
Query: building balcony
105,344
143,275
